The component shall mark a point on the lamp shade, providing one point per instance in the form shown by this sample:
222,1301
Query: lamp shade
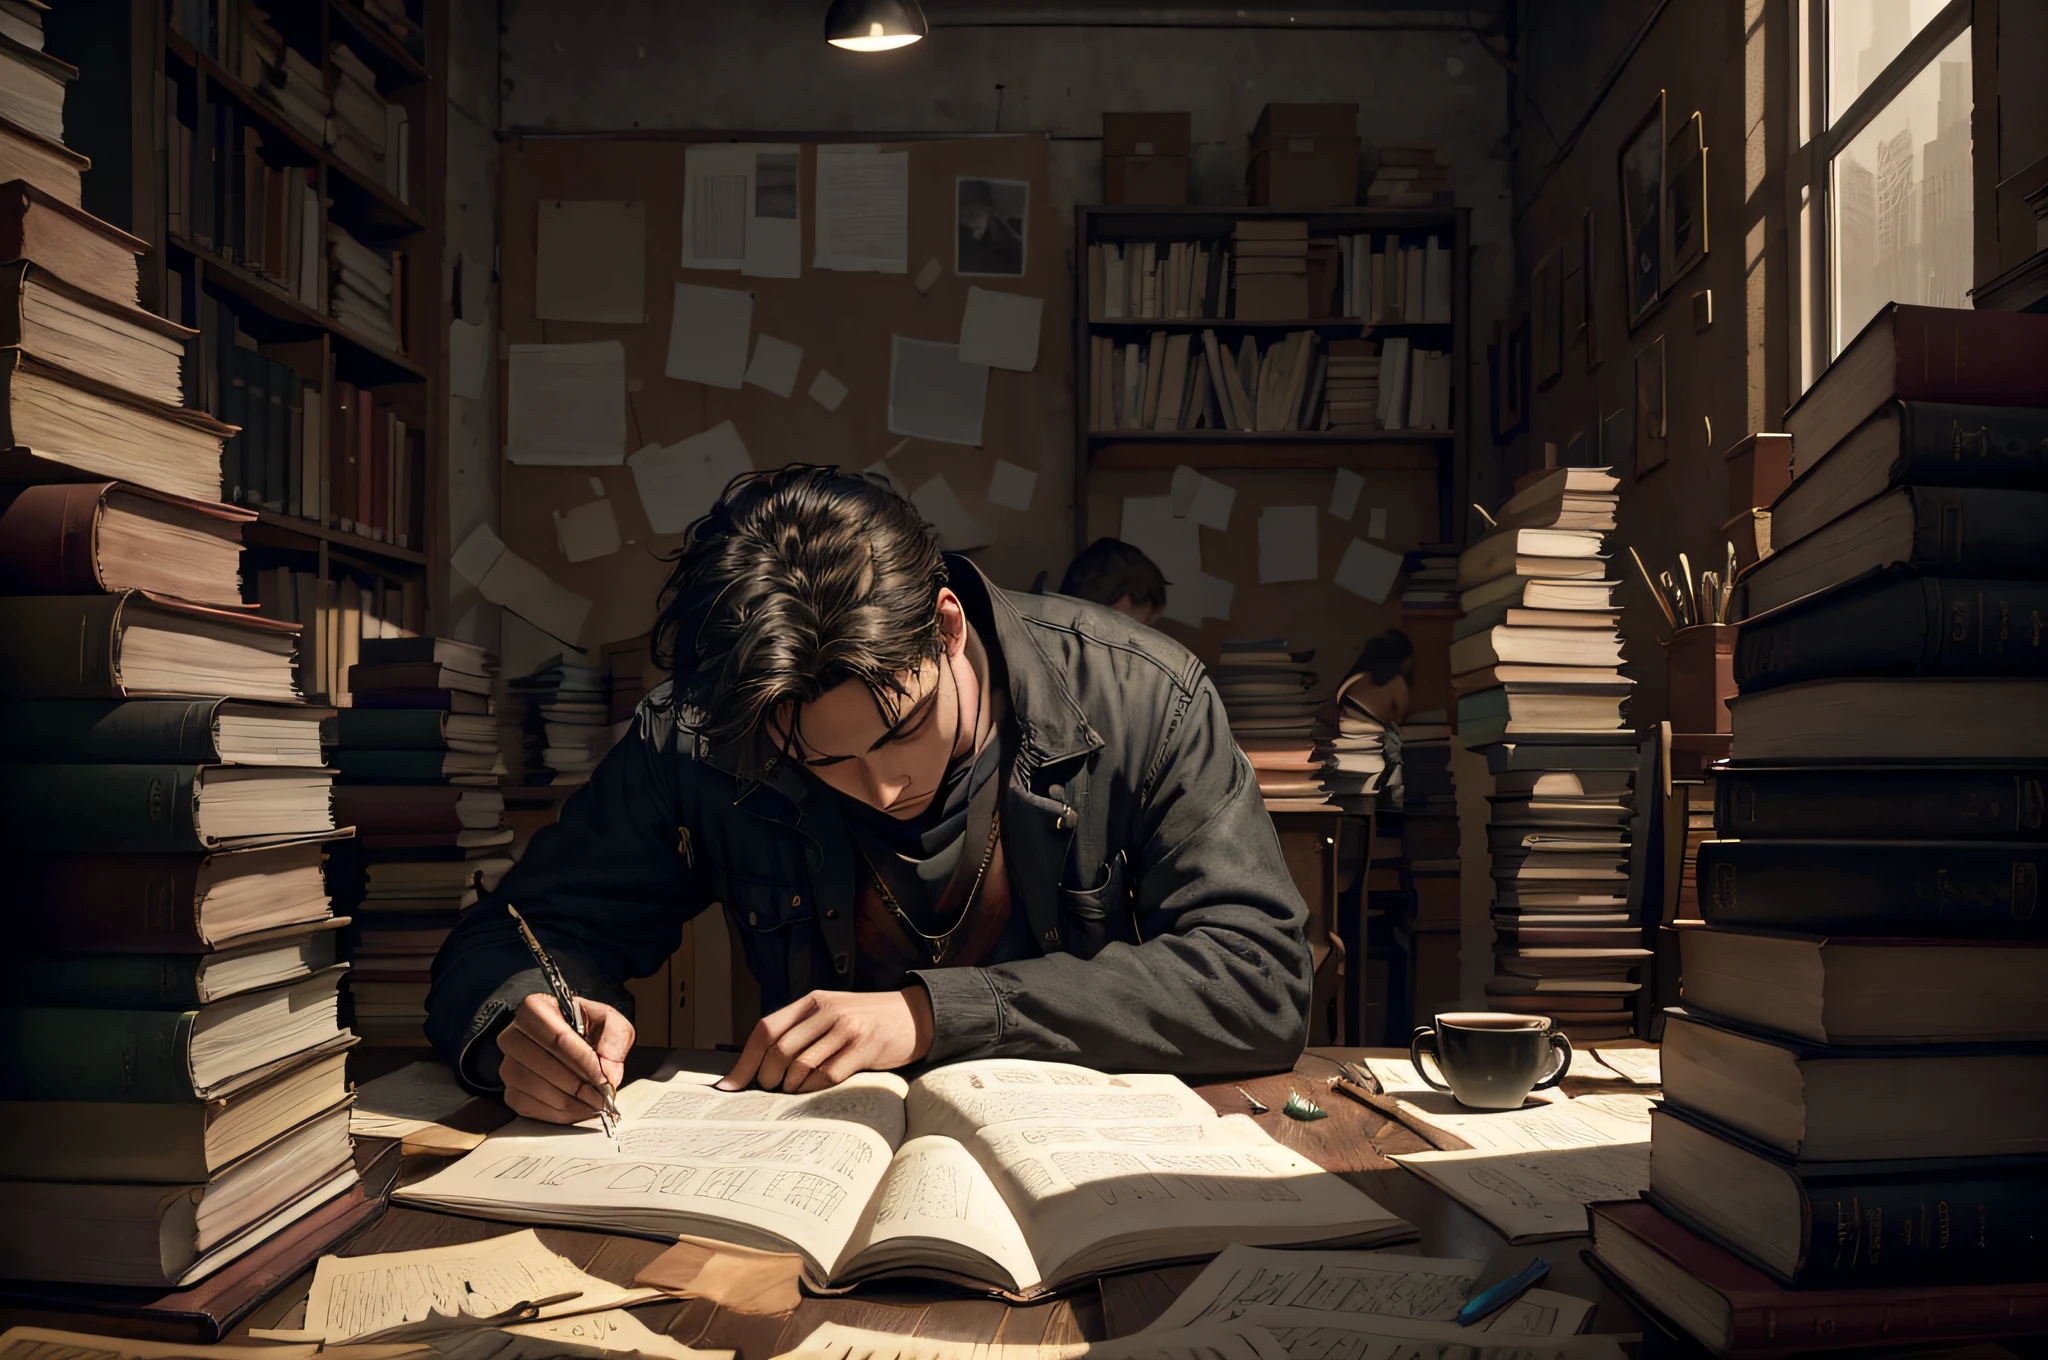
874,25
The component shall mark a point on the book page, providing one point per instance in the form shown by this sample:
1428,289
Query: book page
936,1193
957,1099
1365,1284
1312,1336
834,1341
1537,1195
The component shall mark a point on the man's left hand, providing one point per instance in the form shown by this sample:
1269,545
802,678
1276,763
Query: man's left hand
826,1037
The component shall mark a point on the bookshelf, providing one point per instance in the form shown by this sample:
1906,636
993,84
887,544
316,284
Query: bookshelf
1357,448
221,252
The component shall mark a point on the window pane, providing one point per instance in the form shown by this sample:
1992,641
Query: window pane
1899,201
1863,37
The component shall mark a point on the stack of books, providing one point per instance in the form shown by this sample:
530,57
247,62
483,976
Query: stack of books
1410,177
1269,269
1158,280
1364,754
1429,579
367,292
390,15
1536,663
32,93
171,1087
368,133
565,722
279,72
1351,386
415,725
1394,279
1872,904
1265,691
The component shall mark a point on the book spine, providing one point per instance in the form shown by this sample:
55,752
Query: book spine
1881,804
391,729
1963,890
102,808
1960,1225
1981,531
395,767
1955,354
1899,624
143,982
277,437
49,539
95,1055
94,731
61,646
1947,445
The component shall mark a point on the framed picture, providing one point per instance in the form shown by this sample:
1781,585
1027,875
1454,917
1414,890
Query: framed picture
1651,446
989,217
1685,200
1546,305
1589,276
1507,362
1642,202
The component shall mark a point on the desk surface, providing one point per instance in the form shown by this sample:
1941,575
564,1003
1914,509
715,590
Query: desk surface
1353,1141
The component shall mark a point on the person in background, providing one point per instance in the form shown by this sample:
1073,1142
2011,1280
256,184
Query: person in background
1112,572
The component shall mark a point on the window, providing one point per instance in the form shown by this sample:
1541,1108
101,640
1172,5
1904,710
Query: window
1886,84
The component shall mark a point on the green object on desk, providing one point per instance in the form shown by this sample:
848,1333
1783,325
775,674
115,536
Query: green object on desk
1299,1107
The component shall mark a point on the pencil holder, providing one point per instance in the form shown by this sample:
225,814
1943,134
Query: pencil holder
1699,677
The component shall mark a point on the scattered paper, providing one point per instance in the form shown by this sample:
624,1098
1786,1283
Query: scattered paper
1287,544
863,209
1011,486
740,209
1001,330
932,394
477,554
1543,1126
1376,522
928,275
680,483
405,1101
616,1332
588,531
827,390
533,595
958,531
1643,1066
469,358
590,262
707,335
1368,570
1344,493
1174,544
836,1341
775,234
743,1279
1310,1334
567,405
1537,1195
775,365
1203,499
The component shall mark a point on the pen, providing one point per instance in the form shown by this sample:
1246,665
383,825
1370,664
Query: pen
572,1012
1490,1301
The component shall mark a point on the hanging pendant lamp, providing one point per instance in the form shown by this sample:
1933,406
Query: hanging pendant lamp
874,25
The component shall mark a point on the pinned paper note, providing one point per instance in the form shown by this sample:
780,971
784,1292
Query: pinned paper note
1376,522
774,218
1344,493
590,262
707,335
477,554
1011,486
1287,544
1174,543
588,531
933,395
1203,499
740,209
469,358
928,275
863,209
505,578
1001,330
1368,570
958,531
680,483
566,405
827,390
775,365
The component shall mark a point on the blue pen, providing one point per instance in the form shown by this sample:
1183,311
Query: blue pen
1488,1302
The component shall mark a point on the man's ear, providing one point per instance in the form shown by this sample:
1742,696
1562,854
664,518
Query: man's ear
952,622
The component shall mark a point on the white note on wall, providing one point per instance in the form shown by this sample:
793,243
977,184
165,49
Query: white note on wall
827,390
506,579
566,405
1201,498
708,330
775,234
1287,544
587,532
717,187
1001,329
1344,493
863,210
1011,486
774,365
680,482
590,262
1368,570
932,394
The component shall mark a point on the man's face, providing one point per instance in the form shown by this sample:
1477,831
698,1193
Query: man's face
889,750
975,217
1147,614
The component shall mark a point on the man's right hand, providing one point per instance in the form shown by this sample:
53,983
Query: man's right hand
550,1073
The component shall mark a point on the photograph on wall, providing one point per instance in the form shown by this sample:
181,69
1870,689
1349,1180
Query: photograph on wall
1685,199
1642,201
1546,303
989,224
1651,448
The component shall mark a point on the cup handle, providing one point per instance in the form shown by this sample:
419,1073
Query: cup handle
1425,1042
1558,1039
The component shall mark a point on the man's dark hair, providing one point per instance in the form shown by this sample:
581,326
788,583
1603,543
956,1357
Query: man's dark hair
1109,569
1386,655
798,580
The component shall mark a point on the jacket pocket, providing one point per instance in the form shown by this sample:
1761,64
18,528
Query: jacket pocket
764,905
1095,915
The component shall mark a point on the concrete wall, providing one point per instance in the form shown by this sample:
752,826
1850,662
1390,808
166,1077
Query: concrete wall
469,262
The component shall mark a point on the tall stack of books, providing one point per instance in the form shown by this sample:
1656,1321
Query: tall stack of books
1536,664
565,723
1265,687
1269,269
1853,1146
421,720
1410,177
171,1086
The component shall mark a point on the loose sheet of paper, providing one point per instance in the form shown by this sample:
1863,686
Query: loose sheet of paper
1011,486
1203,499
1376,522
717,184
1643,1066
827,390
567,405
1305,1334
1536,1195
958,531
680,482
614,1332
1344,493
1368,570
469,357
933,395
1287,544
405,1101
1174,543
533,595
1340,1283
835,1341
775,365
1000,330
774,216
708,331
591,262
587,532
477,554
863,210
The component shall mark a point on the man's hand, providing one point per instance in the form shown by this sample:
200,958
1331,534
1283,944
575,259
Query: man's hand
551,1074
826,1037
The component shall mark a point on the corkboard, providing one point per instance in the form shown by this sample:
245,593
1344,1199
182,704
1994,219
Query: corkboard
843,321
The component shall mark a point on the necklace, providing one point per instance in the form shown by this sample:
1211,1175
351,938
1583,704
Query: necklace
936,945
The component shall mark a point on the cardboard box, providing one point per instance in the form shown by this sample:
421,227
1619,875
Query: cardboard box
1146,134
1145,179
1270,297
1323,174
1280,122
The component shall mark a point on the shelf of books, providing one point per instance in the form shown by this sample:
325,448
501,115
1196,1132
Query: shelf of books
1269,337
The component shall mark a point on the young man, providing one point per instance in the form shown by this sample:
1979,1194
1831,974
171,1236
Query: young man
945,822
1112,572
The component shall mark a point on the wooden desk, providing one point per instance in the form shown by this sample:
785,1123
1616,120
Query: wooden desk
1352,1142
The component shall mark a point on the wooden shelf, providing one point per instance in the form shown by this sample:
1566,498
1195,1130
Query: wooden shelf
342,540
1239,454
1316,323
385,52
1423,438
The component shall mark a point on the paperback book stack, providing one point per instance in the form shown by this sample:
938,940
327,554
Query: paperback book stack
367,292
366,132
1430,579
1351,385
421,720
565,722
1269,269
1410,177
171,1087
1873,920
1536,664
1265,689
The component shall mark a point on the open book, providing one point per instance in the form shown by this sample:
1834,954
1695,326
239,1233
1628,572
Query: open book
1011,1176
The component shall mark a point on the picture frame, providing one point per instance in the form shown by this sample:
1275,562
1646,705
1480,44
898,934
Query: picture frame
1641,168
1685,200
991,225
1652,418
1546,306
